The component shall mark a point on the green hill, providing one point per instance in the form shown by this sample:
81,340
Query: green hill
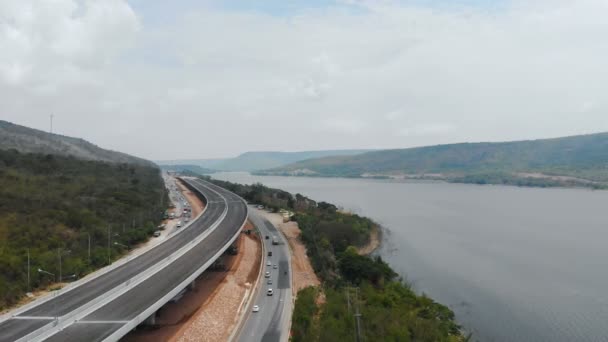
55,193
251,161
570,161
52,202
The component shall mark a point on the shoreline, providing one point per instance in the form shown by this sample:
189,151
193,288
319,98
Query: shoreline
552,182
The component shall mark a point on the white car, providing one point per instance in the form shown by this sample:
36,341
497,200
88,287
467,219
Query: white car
256,308
269,292
267,275
275,266
269,263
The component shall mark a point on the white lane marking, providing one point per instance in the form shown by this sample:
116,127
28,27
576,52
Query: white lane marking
101,322
34,317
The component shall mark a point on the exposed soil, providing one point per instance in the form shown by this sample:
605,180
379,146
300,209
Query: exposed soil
303,273
373,244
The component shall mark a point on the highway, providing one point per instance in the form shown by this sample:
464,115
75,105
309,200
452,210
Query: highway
271,323
109,305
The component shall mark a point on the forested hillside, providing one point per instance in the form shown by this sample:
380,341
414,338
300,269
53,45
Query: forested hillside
50,205
571,161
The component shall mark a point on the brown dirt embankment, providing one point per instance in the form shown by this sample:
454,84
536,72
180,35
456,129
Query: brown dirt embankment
303,273
373,244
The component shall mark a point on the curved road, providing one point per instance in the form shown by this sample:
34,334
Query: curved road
271,323
112,302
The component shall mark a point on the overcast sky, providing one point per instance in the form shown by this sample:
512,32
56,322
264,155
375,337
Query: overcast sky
200,79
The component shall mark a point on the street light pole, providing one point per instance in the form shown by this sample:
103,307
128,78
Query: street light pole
120,244
55,309
89,249
109,238
28,270
59,255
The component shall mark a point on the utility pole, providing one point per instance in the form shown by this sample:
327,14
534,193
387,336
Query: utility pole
357,314
348,297
52,123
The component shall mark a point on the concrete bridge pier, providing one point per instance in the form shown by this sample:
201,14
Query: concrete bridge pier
150,320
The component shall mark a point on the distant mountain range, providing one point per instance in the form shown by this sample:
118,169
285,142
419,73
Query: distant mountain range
252,161
29,140
188,168
570,161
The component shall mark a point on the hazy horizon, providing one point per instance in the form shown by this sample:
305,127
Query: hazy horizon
167,81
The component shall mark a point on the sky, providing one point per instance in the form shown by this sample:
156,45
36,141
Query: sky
207,79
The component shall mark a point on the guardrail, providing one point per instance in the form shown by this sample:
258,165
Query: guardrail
285,336
236,333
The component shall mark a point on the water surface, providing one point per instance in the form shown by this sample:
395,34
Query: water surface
515,264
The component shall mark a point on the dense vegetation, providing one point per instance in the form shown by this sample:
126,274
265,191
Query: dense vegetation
390,310
583,159
50,205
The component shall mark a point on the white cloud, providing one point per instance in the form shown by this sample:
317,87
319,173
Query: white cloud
342,125
51,41
426,129
377,74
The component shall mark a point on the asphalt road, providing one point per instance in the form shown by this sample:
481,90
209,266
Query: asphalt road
108,318
271,323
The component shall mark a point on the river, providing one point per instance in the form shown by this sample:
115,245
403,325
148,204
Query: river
515,264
